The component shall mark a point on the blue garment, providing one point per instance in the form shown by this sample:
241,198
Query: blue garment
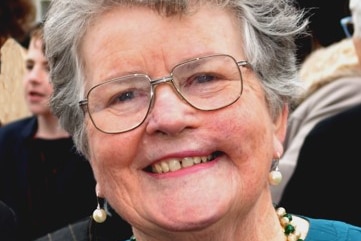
115,229
329,230
45,181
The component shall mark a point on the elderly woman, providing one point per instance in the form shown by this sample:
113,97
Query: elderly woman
181,108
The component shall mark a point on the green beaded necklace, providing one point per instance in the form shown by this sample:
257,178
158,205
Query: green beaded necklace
286,222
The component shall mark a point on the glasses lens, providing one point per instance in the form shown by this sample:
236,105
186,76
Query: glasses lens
209,83
120,104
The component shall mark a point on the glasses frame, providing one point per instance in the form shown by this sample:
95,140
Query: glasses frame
344,22
153,82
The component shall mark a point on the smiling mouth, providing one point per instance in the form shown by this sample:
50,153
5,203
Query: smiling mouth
176,164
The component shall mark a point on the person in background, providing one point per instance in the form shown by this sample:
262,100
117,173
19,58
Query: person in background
43,178
323,133
331,76
324,28
181,108
15,17
320,64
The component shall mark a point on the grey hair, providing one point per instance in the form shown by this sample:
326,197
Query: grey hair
269,31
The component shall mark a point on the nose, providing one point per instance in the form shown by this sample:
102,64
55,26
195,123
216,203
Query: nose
170,114
36,75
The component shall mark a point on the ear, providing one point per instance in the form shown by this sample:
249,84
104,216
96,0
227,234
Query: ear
280,131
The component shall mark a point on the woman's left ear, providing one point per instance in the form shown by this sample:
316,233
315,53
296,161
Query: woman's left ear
280,128
281,124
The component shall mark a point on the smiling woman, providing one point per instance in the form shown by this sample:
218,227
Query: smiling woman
181,109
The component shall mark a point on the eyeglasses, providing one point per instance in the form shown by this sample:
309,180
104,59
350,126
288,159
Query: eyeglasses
122,104
347,26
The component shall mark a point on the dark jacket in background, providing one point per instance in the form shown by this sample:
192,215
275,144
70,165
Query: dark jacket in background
8,223
45,196
326,181
113,229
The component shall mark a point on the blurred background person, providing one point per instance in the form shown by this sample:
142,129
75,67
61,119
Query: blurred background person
323,132
325,56
324,27
43,178
16,17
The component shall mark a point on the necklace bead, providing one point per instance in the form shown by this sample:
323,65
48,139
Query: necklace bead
286,222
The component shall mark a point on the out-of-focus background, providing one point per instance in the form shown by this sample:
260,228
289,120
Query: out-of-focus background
12,69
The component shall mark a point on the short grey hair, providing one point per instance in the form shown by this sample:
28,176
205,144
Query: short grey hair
268,27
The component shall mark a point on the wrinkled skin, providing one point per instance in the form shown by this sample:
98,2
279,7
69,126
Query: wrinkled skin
226,196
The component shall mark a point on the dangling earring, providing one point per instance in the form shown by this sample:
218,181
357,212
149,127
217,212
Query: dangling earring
275,176
99,214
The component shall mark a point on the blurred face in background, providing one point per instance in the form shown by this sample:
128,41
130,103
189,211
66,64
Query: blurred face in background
37,86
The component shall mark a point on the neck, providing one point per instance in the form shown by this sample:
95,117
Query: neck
290,227
49,128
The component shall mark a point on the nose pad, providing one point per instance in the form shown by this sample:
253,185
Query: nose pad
168,111
167,81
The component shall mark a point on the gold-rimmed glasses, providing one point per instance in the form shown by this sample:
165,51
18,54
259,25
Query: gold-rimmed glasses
206,83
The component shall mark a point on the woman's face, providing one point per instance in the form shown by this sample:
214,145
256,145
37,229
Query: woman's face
137,40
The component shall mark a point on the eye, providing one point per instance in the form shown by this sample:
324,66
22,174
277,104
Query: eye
123,96
129,100
201,79
204,78
29,66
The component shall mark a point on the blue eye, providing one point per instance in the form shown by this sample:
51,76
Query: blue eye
122,97
204,78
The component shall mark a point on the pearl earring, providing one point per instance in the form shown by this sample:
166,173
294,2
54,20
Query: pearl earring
275,176
99,214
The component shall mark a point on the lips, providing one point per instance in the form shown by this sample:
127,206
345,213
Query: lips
34,96
34,93
175,164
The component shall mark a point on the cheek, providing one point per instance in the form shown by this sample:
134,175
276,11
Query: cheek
247,130
250,129
49,91
109,153
251,119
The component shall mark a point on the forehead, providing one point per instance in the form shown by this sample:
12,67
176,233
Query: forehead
140,40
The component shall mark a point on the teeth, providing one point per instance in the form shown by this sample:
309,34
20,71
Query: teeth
188,162
164,167
172,165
